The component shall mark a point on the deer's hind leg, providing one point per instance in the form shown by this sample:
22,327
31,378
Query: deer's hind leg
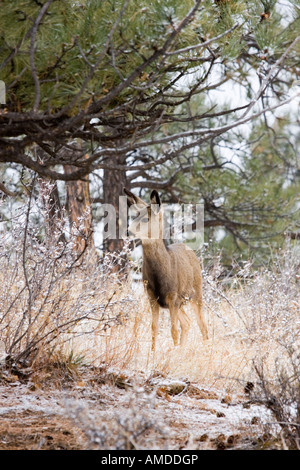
178,315
197,306
185,322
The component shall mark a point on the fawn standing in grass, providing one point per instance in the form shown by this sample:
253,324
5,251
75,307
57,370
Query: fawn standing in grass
172,274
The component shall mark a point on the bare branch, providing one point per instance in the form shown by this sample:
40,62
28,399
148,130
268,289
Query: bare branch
6,191
31,54
204,44
273,72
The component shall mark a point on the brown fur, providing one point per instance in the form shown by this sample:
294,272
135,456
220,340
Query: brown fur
172,277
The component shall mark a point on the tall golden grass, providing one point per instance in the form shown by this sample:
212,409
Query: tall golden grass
254,319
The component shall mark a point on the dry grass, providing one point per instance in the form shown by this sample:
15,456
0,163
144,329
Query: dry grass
248,322
94,315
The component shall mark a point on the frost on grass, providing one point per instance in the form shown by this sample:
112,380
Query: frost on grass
266,303
134,424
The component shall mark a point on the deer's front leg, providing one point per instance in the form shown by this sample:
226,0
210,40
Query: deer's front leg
174,314
155,318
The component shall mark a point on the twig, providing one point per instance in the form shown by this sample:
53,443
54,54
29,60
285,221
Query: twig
273,72
203,44
25,247
227,300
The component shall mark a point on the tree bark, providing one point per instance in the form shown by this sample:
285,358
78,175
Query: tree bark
54,212
113,184
80,213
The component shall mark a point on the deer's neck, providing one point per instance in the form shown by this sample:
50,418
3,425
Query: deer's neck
155,248
157,272
155,254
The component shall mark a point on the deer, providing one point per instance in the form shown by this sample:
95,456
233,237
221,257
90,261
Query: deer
172,274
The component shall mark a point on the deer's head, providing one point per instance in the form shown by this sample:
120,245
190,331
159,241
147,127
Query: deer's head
147,222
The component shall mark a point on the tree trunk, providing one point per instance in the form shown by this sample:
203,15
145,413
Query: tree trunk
80,213
113,184
54,212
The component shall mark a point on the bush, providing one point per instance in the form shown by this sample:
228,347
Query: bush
49,293
135,425
273,325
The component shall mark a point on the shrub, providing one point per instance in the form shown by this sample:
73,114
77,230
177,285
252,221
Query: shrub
49,293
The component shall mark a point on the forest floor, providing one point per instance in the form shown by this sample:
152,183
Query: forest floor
105,410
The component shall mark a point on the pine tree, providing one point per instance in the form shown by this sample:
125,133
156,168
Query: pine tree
145,89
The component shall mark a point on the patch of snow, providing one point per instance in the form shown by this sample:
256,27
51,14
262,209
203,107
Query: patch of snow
21,401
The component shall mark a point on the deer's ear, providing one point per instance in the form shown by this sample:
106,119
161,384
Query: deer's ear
155,199
132,198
